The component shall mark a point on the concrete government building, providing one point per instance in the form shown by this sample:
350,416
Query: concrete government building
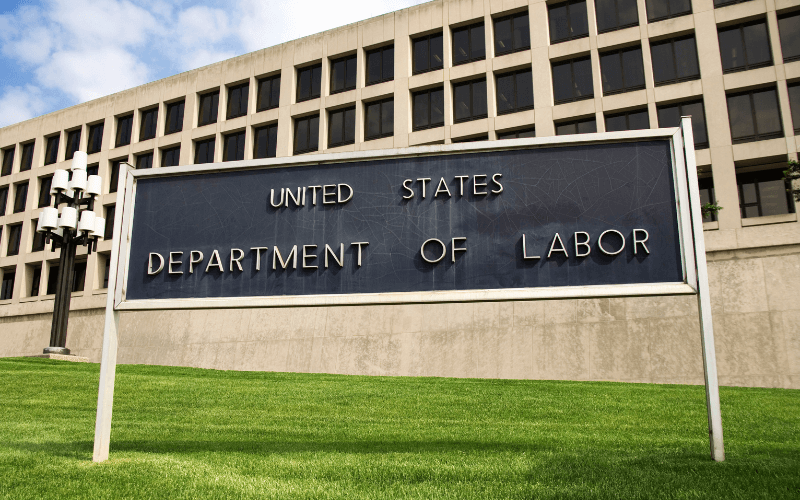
444,72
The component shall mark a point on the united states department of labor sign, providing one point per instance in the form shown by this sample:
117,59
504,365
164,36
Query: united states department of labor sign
505,221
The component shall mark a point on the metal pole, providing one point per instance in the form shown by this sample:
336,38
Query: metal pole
703,300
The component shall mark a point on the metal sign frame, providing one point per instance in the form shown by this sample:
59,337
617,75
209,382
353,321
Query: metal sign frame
690,229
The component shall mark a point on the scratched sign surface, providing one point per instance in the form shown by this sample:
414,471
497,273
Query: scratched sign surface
360,227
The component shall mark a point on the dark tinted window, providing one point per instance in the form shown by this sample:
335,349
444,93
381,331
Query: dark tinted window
3,199
670,116
8,161
27,157
428,109
469,100
745,46
380,65
658,10
147,130
379,119
20,197
204,151
124,127
238,97
95,138
789,29
469,44
476,138
794,104
585,126
568,21
754,116
73,143
78,276
144,161
511,33
572,80
706,185
114,177
343,74
269,93
517,134
52,280
93,169
675,60
265,141
36,277
616,14
306,134
723,3
45,183
14,237
514,91
209,107
108,232
631,120
233,149
622,70
171,157
51,151
7,288
309,82
174,121
107,270
428,54
341,127
764,193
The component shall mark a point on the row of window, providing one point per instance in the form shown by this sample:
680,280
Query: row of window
35,273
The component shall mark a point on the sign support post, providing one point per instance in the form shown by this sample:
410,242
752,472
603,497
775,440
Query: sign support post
703,299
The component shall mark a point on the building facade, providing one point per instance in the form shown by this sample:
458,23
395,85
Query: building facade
439,73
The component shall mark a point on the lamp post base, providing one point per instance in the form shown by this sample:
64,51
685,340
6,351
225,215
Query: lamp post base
56,350
62,357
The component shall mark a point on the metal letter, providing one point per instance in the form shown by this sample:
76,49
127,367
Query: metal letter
172,262
359,243
238,259
258,256
290,193
637,241
150,264
422,251
325,194
276,256
423,180
582,244
272,198
439,189
339,260
600,242
303,201
340,193
494,179
211,263
554,249
453,248
314,193
193,261
411,192
476,184
525,255
307,256
461,178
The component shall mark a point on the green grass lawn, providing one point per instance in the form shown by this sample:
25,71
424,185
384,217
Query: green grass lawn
191,433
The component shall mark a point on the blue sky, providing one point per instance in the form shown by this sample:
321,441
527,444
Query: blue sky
57,53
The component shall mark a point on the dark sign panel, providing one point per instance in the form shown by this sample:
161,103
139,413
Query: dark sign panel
599,214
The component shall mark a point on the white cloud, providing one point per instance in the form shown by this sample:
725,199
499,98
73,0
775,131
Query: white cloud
21,103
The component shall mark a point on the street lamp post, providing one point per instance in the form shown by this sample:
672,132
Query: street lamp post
74,193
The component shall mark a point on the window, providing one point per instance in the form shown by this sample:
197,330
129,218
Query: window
306,134
36,279
794,104
3,200
764,193
514,91
52,280
622,70
44,191
144,161
78,276
723,3
511,34
269,93
469,100
73,143
428,53
51,151
754,116
108,232
476,138
14,237
237,100
658,10
469,44
114,177
171,157
789,29
8,161
675,60
93,169
209,106
585,126
378,119
517,134
233,147
20,197
670,116
341,127
38,238
568,21
745,46
265,141
107,271
572,80
147,129
27,157
428,109
124,128
616,14
380,65
174,121
343,74
204,151
309,82
7,289
706,185
630,120
95,138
